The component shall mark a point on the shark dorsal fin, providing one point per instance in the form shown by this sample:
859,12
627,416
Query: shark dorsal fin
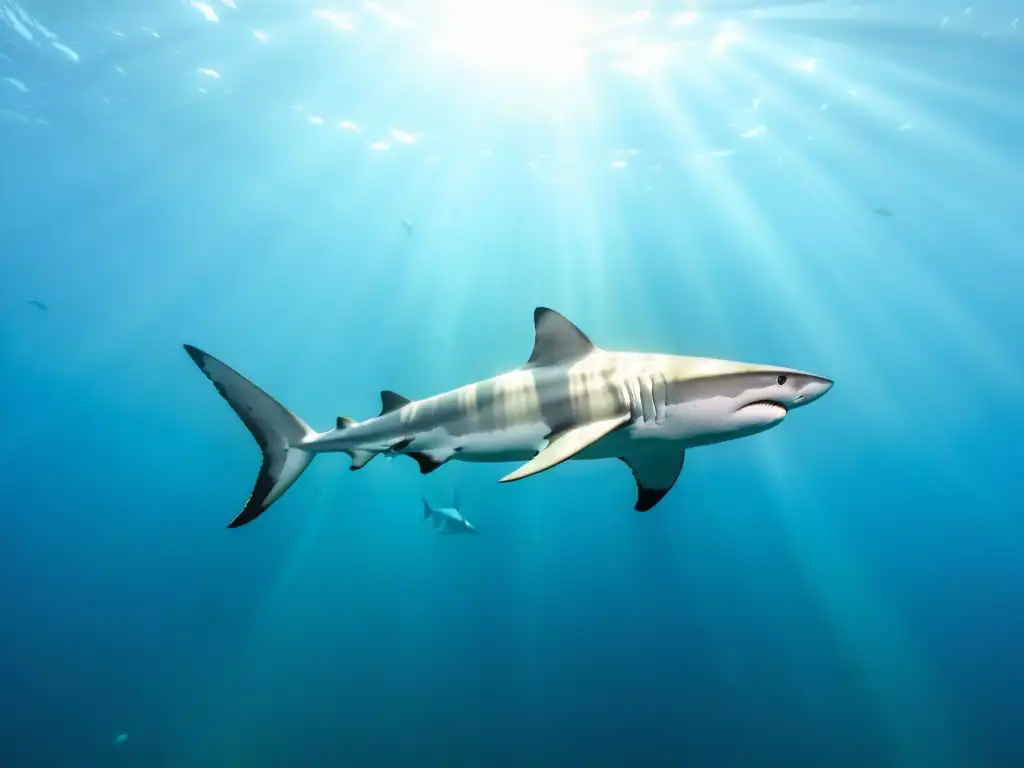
557,340
391,401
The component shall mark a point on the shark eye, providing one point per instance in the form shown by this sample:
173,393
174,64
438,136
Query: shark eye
781,380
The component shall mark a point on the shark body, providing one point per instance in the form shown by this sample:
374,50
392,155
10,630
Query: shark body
571,400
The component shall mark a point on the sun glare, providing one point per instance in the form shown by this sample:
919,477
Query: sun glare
531,38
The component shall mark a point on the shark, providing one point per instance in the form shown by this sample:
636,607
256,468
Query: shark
447,520
571,400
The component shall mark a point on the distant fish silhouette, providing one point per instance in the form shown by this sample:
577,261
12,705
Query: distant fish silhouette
447,519
882,212
38,305
408,226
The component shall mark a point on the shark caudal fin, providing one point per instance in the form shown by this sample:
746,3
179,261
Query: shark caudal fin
279,432
427,511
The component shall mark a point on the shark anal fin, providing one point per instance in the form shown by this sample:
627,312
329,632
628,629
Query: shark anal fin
391,401
655,471
360,458
566,445
556,340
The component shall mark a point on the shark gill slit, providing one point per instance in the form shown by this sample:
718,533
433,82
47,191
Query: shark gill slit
659,391
646,396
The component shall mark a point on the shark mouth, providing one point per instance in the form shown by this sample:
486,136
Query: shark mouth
773,404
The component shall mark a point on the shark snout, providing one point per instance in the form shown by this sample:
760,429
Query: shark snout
815,387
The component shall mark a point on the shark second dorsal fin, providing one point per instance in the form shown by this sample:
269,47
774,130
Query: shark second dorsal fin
391,401
556,340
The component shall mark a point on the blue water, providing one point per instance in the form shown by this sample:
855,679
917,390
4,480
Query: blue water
845,589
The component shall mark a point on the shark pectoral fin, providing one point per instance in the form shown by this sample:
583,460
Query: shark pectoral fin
655,471
565,445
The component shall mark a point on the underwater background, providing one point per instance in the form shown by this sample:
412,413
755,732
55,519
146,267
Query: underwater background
338,197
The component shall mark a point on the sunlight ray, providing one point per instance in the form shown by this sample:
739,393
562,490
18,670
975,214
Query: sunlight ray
891,665
944,306
342,197
710,183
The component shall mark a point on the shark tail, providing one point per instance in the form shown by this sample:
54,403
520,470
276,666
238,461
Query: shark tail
279,432
427,511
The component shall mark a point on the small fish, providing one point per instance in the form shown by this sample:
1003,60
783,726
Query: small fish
447,519
882,212
120,739
408,226
38,305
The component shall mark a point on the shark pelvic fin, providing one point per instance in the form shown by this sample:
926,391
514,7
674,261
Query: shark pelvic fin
391,401
428,460
565,445
655,472
556,340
